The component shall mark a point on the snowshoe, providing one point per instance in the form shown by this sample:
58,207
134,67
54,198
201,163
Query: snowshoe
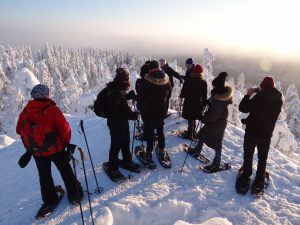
258,188
242,183
195,154
144,158
46,210
184,134
114,175
214,169
163,157
131,166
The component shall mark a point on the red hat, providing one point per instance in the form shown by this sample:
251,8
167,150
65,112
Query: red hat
267,82
198,69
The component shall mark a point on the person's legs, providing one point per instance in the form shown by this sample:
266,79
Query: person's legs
249,147
66,172
262,153
149,135
191,128
160,133
125,142
115,144
48,192
217,158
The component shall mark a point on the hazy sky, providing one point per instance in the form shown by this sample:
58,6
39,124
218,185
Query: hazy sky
156,26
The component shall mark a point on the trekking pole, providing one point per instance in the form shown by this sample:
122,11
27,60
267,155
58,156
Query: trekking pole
77,184
181,169
132,146
86,183
98,190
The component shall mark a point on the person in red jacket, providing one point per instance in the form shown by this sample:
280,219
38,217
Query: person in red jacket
42,114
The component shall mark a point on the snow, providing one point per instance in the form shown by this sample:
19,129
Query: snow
159,197
25,79
6,141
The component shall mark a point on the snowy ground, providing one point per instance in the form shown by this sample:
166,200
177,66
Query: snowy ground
162,196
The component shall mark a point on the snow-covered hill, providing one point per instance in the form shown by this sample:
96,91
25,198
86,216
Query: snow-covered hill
162,196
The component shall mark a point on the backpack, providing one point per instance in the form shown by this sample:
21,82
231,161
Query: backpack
37,135
101,102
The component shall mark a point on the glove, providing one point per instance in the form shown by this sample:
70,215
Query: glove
131,95
133,116
24,159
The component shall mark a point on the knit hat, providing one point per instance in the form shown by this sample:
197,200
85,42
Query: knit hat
40,91
153,64
163,61
197,69
122,75
219,81
267,82
189,61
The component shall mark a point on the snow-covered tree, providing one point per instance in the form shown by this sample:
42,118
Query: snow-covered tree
292,109
240,86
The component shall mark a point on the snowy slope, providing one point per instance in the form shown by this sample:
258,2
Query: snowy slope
163,196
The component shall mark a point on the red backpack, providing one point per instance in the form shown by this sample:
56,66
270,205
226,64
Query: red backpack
37,135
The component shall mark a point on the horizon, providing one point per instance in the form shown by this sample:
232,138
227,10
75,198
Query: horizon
257,28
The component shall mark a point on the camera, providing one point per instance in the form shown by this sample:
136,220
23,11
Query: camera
256,90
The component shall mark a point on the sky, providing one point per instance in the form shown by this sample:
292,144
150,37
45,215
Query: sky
269,27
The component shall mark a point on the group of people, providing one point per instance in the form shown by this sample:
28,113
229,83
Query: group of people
153,91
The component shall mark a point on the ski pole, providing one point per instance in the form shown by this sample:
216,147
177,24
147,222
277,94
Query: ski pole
181,169
86,183
77,187
98,190
132,146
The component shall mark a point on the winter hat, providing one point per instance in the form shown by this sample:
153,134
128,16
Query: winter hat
153,65
163,61
40,91
219,81
197,69
122,75
267,82
144,70
189,61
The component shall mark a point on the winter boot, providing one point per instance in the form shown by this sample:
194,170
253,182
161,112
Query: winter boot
242,183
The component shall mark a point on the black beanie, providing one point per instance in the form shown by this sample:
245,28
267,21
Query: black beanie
219,81
153,64
144,70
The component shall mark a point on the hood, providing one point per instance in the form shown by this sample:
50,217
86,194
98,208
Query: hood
157,77
271,95
225,97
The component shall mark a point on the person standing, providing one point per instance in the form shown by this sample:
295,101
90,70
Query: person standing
264,109
155,94
45,133
215,121
194,93
189,63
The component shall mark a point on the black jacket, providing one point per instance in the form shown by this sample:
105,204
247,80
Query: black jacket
154,95
117,108
215,119
194,92
171,73
188,73
264,109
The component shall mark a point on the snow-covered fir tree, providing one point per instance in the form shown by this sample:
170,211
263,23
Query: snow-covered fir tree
292,109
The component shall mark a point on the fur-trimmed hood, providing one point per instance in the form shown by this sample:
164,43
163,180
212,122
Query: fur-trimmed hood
158,77
225,97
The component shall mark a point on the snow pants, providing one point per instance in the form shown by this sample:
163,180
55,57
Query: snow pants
120,140
149,127
43,164
263,146
218,152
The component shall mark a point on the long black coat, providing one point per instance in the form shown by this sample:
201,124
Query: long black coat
171,73
194,92
215,119
188,73
264,109
155,93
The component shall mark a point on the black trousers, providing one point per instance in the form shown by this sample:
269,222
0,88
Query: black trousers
120,140
263,146
43,164
191,127
149,127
